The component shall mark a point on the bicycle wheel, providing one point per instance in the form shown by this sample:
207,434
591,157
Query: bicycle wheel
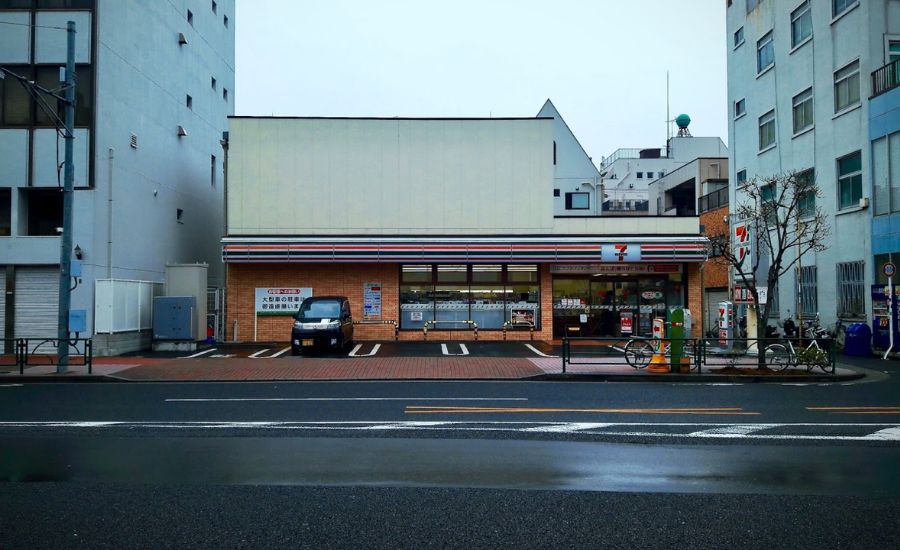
778,357
816,357
638,353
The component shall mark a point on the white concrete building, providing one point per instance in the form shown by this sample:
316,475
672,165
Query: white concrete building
155,85
799,83
626,174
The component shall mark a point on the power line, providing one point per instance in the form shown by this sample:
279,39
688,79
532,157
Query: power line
30,25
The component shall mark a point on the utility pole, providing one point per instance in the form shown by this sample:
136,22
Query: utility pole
65,250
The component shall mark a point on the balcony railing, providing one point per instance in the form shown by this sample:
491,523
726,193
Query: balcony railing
886,78
714,200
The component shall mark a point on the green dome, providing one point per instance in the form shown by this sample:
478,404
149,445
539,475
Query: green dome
682,121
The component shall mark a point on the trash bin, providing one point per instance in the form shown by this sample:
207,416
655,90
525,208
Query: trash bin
859,340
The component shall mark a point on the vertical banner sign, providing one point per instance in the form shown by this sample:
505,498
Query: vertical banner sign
280,301
741,240
372,301
626,319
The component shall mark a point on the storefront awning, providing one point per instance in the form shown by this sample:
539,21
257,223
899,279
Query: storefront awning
553,249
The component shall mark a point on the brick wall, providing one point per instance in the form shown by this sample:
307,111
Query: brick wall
693,303
715,274
347,280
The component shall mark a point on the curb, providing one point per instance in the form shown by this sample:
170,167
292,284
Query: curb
703,378
51,379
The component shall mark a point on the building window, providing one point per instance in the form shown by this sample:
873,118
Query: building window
189,101
740,108
765,53
738,37
768,205
767,130
556,192
490,295
850,180
773,302
43,210
640,175
809,292
851,290
886,174
213,83
741,177
179,215
215,7
803,111
5,212
578,201
212,170
554,153
840,6
19,109
801,24
662,173
190,18
15,103
846,87
649,175
806,202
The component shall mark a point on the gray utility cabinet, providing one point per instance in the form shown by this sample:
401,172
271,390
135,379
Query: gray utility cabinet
175,318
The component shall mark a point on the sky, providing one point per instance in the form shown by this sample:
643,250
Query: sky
603,63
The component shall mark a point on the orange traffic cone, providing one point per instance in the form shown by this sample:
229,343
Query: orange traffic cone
659,363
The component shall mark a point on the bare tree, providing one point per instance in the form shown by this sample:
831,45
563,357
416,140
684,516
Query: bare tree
776,218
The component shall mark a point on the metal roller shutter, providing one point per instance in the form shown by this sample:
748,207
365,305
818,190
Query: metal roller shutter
37,297
2,308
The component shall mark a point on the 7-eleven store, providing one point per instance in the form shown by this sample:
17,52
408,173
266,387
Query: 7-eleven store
576,285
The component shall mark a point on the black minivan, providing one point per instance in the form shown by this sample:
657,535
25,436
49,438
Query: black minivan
322,321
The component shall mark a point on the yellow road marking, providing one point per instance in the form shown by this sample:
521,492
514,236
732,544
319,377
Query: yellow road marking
437,409
856,410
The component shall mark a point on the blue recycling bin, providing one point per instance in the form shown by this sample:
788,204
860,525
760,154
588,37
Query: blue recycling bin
859,340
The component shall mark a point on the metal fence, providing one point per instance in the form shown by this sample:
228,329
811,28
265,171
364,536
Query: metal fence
124,306
714,200
31,352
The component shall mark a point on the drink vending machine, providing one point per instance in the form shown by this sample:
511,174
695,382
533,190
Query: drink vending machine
880,316
726,324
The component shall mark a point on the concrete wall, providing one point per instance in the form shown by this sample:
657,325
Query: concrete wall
389,176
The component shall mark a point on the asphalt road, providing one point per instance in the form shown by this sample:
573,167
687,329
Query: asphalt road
449,464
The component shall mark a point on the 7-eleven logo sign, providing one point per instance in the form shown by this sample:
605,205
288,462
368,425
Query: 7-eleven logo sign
741,234
620,253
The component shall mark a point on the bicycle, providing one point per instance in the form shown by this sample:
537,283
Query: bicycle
639,351
780,356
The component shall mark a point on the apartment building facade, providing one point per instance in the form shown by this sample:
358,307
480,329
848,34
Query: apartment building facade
155,85
799,92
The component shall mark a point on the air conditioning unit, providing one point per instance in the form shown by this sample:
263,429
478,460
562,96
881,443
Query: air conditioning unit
864,202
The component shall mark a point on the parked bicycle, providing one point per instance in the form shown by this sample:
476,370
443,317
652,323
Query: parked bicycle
780,356
639,351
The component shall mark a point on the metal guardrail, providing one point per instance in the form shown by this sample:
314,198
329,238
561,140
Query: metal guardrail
472,325
886,78
510,325
702,353
380,322
713,200
32,352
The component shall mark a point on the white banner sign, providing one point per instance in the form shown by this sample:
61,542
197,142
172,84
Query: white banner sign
280,301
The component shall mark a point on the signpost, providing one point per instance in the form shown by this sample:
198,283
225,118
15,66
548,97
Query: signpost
889,269
278,302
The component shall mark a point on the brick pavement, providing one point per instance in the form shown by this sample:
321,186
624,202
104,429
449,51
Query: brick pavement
311,368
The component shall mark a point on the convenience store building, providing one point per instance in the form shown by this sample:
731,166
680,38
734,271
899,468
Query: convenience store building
444,222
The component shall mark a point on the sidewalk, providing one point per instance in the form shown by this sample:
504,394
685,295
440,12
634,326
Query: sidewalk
134,369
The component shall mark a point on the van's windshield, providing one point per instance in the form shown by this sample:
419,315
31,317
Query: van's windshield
319,309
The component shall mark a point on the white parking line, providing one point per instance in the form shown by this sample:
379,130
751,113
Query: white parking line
258,353
198,354
539,352
375,349
465,350
280,353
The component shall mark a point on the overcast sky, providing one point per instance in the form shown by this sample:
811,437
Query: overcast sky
602,62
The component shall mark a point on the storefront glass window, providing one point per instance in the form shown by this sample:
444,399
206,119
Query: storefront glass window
490,295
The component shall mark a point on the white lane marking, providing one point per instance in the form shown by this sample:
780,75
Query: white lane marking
280,353
887,434
10,385
375,349
462,347
258,353
198,354
227,399
732,430
569,427
891,433
539,352
222,355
